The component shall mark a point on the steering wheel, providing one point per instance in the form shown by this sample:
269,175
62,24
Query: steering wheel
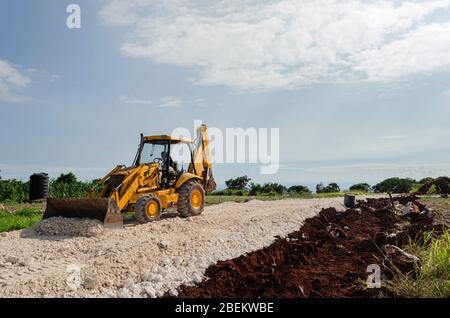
157,160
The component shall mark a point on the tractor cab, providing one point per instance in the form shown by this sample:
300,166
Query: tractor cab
169,152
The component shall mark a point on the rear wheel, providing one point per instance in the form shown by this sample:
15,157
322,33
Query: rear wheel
148,209
191,199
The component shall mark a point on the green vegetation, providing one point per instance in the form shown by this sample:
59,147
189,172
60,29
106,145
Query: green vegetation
432,278
362,187
66,185
13,190
239,183
299,189
331,188
20,219
395,185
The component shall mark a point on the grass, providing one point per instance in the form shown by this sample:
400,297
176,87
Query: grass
19,220
433,276
215,199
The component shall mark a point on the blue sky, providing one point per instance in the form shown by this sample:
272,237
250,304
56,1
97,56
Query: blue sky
360,90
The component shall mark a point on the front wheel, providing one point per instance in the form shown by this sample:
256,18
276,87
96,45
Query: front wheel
191,199
148,209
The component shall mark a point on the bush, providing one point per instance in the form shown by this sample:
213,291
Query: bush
239,183
270,188
332,187
363,187
425,180
254,189
13,190
298,189
395,185
274,188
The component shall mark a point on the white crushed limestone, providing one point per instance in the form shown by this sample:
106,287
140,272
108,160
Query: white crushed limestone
150,259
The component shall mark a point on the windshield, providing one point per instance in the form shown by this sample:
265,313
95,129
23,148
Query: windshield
152,151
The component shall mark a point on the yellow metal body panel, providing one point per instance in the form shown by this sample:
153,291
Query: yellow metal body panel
173,139
186,177
168,199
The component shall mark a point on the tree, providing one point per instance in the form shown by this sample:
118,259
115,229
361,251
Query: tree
254,189
239,183
273,188
363,187
270,188
298,189
332,187
68,178
425,180
395,185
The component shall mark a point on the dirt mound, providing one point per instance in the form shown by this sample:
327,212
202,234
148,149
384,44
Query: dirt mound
327,257
59,226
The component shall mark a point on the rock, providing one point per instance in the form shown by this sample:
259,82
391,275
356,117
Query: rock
3,234
90,282
196,278
157,278
2,207
128,282
177,260
13,259
410,207
163,244
26,262
123,293
400,259
150,291
173,292
147,276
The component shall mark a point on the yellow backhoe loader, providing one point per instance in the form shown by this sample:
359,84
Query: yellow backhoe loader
152,184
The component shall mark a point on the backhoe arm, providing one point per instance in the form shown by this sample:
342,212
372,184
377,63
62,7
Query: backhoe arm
202,162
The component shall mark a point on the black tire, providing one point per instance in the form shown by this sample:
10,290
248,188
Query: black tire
142,204
186,205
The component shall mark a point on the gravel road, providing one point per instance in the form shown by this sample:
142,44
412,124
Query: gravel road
146,260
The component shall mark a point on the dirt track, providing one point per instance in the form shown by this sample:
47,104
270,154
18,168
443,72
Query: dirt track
146,260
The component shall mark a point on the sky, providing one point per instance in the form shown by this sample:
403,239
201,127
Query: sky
360,90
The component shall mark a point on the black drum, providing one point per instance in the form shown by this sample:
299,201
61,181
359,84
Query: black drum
38,187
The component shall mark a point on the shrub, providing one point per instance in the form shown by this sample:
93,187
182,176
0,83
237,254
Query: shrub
299,189
395,185
239,183
273,187
13,190
254,189
332,187
363,187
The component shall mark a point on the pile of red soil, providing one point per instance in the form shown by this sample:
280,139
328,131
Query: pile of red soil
327,257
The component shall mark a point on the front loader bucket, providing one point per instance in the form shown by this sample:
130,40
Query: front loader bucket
104,210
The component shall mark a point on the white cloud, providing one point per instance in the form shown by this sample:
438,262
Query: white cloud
11,80
446,92
170,101
394,137
254,45
127,100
